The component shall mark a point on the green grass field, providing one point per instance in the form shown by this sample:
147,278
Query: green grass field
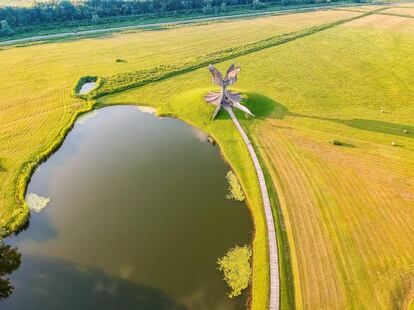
346,211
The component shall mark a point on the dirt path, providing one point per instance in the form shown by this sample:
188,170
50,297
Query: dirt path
274,295
144,26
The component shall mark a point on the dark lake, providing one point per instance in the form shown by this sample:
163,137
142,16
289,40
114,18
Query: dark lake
137,218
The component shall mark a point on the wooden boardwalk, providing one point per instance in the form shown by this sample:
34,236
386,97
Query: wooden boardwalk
274,294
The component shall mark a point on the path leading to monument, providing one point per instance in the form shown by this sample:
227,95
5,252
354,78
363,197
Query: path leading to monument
274,295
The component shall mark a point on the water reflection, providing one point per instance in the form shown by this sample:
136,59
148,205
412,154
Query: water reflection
71,286
10,260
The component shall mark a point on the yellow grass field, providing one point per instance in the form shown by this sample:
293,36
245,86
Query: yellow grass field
347,210
406,4
362,8
401,11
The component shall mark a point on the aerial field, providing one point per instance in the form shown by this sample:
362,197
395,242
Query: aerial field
361,8
43,83
346,210
406,4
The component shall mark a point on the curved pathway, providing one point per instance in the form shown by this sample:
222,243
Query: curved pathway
270,223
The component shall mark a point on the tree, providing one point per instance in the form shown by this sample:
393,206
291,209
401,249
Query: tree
95,17
207,9
5,29
4,25
258,5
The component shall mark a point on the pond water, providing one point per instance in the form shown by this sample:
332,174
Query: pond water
136,220
87,87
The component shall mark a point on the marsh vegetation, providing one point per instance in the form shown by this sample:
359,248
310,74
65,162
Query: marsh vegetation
235,189
236,269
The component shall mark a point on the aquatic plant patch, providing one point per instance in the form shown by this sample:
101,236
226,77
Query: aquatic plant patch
36,203
83,80
235,189
236,268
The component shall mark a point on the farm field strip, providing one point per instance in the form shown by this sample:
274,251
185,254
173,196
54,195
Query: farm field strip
362,8
397,11
406,5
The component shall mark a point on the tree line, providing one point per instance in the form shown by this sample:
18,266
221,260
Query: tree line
57,11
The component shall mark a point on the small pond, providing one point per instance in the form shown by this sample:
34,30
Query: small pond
87,87
137,218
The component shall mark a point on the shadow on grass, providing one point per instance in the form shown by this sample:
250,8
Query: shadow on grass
341,143
10,260
347,144
264,108
371,125
2,168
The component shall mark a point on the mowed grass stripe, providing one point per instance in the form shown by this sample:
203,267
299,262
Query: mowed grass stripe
409,12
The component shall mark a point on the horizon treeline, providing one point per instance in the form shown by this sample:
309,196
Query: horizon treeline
57,11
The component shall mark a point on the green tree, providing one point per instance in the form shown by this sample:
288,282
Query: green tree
10,260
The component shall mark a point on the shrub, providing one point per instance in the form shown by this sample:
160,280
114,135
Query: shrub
95,18
208,9
336,142
258,5
5,29
236,268
4,25
82,80
235,190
